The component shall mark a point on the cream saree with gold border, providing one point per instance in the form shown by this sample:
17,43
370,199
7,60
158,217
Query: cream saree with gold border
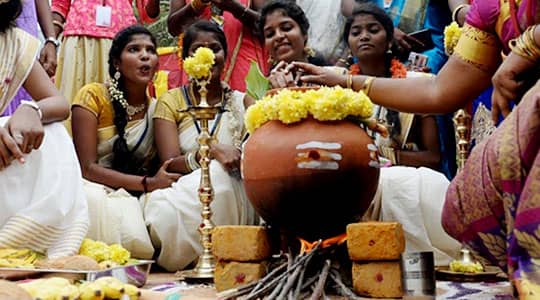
42,203
115,215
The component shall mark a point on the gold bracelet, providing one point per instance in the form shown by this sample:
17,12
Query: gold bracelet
367,85
58,23
349,81
456,11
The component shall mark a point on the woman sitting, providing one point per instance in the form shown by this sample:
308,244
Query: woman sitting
113,134
413,139
42,203
401,190
174,214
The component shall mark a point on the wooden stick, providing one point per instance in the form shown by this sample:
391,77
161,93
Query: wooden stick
319,288
342,289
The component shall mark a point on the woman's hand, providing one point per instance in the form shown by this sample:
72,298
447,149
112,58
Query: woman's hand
282,76
508,83
162,179
228,156
319,75
8,149
47,58
25,128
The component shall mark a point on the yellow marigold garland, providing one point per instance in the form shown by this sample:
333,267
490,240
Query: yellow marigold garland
324,104
452,33
199,65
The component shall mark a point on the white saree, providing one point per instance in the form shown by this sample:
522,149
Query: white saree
42,203
174,214
115,215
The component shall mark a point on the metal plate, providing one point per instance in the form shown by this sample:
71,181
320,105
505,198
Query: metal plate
490,273
135,273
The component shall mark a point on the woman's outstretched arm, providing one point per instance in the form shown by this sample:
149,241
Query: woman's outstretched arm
457,84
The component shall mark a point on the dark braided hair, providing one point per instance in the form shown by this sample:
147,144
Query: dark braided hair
9,12
369,8
123,160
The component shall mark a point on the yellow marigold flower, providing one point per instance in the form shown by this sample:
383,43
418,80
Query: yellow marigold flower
200,63
255,117
452,33
119,254
292,109
324,104
97,250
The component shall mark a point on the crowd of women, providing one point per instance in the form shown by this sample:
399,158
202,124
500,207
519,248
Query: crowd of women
129,173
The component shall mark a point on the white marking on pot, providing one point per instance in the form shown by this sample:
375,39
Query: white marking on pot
372,147
320,145
319,165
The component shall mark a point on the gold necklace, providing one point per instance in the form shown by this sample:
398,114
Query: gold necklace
118,95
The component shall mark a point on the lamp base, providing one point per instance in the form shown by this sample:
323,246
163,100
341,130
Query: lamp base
198,273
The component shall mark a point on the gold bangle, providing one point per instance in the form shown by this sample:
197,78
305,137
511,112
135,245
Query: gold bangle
525,45
456,11
367,85
349,81
58,23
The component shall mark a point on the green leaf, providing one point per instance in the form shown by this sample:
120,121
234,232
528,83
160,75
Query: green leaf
256,82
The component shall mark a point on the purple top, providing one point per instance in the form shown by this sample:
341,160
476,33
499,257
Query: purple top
28,22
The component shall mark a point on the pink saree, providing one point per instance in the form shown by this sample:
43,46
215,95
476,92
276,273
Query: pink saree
489,16
493,205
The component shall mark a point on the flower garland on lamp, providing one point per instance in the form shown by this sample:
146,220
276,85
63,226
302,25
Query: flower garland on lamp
198,67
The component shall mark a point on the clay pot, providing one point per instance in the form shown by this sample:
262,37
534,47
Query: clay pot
310,178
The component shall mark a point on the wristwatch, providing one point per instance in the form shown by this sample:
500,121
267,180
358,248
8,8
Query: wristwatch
51,39
33,105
